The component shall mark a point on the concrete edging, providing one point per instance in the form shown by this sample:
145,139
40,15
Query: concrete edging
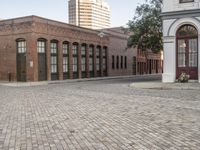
23,84
166,86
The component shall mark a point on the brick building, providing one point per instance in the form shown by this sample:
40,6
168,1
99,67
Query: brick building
149,62
37,49
122,60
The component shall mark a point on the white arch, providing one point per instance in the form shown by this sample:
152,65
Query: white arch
178,23
169,74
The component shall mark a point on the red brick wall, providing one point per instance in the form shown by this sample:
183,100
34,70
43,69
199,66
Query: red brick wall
143,62
118,47
32,28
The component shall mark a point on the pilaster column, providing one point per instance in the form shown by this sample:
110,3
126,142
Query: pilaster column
79,61
87,61
48,58
60,61
95,60
70,61
101,61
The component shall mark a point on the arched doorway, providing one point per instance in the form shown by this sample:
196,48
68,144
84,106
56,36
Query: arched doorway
21,60
187,51
42,64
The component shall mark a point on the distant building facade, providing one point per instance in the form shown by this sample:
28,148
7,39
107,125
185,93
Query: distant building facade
38,49
149,62
93,14
122,59
181,30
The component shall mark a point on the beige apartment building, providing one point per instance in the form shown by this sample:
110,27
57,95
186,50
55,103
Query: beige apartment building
93,14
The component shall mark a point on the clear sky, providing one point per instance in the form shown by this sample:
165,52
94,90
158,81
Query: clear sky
121,10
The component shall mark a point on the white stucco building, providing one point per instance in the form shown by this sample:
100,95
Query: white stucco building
181,34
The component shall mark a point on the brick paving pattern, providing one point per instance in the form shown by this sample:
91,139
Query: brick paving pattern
98,115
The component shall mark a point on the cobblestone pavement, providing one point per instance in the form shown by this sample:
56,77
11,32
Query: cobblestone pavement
97,115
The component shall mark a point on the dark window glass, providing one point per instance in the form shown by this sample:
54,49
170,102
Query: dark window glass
186,1
122,62
113,62
117,62
125,64
134,65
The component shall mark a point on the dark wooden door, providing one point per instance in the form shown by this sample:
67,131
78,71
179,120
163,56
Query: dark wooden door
187,57
21,67
42,67
134,65
150,66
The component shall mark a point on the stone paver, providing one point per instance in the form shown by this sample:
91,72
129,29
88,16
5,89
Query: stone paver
98,115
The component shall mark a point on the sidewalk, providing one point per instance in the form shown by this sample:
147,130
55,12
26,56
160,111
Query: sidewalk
158,85
24,84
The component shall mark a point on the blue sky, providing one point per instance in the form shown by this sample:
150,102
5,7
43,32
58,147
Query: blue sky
121,10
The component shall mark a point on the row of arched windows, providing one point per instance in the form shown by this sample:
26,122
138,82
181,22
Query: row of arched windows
96,58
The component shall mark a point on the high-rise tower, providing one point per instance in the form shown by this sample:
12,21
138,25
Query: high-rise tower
93,14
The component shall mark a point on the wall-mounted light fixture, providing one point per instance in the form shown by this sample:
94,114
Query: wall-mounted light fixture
101,34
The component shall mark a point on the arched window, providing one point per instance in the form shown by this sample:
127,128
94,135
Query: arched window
187,31
41,45
21,46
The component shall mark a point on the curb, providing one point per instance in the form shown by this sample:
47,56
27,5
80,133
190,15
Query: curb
25,84
166,86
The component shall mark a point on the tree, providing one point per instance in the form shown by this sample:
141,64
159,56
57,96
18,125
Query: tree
147,26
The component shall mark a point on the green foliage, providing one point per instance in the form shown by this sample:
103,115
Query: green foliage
147,26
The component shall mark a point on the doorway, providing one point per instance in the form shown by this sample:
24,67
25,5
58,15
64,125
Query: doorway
187,52
42,66
21,60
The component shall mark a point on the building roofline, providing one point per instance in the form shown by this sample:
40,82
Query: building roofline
115,33
180,13
34,18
